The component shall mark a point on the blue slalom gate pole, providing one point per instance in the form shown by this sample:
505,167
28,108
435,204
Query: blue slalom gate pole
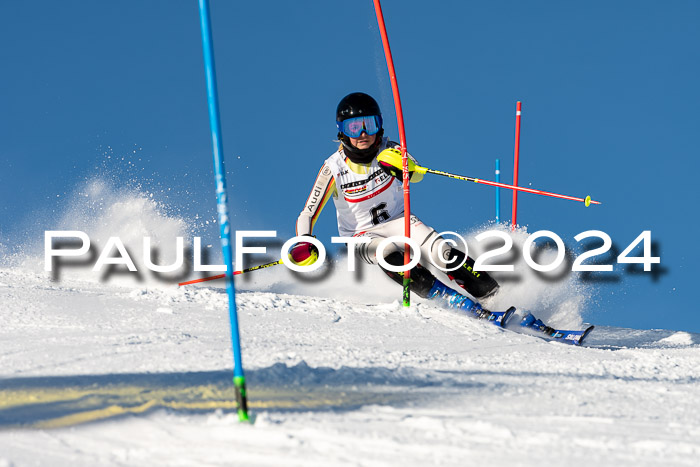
221,205
498,191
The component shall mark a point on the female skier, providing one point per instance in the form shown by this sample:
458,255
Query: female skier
364,178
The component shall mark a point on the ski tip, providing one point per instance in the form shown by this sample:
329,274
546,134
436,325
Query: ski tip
509,312
500,318
585,334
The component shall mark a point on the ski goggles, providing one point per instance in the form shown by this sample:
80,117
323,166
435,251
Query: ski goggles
353,127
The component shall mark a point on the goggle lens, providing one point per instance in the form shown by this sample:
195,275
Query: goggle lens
353,127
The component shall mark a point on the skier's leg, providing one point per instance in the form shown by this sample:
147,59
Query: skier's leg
424,235
479,286
422,280
478,283
425,285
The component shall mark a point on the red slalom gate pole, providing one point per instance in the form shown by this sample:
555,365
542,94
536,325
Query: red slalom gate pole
515,164
404,156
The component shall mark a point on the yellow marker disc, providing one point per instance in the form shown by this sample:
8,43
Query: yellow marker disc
587,201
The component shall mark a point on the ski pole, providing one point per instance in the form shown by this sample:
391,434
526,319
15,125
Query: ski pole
221,276
587,200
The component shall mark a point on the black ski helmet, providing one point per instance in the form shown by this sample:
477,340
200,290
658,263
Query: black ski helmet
357,104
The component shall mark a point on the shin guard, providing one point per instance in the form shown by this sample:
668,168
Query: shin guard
477,284
421,279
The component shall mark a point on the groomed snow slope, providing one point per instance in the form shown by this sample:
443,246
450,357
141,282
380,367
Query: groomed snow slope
96,374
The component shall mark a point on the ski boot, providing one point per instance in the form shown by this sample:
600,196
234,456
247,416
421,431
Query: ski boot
574,337
458,301
425,285
529,321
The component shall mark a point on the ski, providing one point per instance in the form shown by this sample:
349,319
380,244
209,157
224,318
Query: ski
572,337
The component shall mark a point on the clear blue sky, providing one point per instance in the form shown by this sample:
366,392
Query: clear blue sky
610,108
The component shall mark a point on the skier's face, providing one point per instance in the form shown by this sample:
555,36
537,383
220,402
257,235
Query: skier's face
364,141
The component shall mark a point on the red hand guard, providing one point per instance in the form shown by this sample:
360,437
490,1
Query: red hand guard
304,254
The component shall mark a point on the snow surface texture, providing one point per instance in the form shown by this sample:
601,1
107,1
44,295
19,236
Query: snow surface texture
339,373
